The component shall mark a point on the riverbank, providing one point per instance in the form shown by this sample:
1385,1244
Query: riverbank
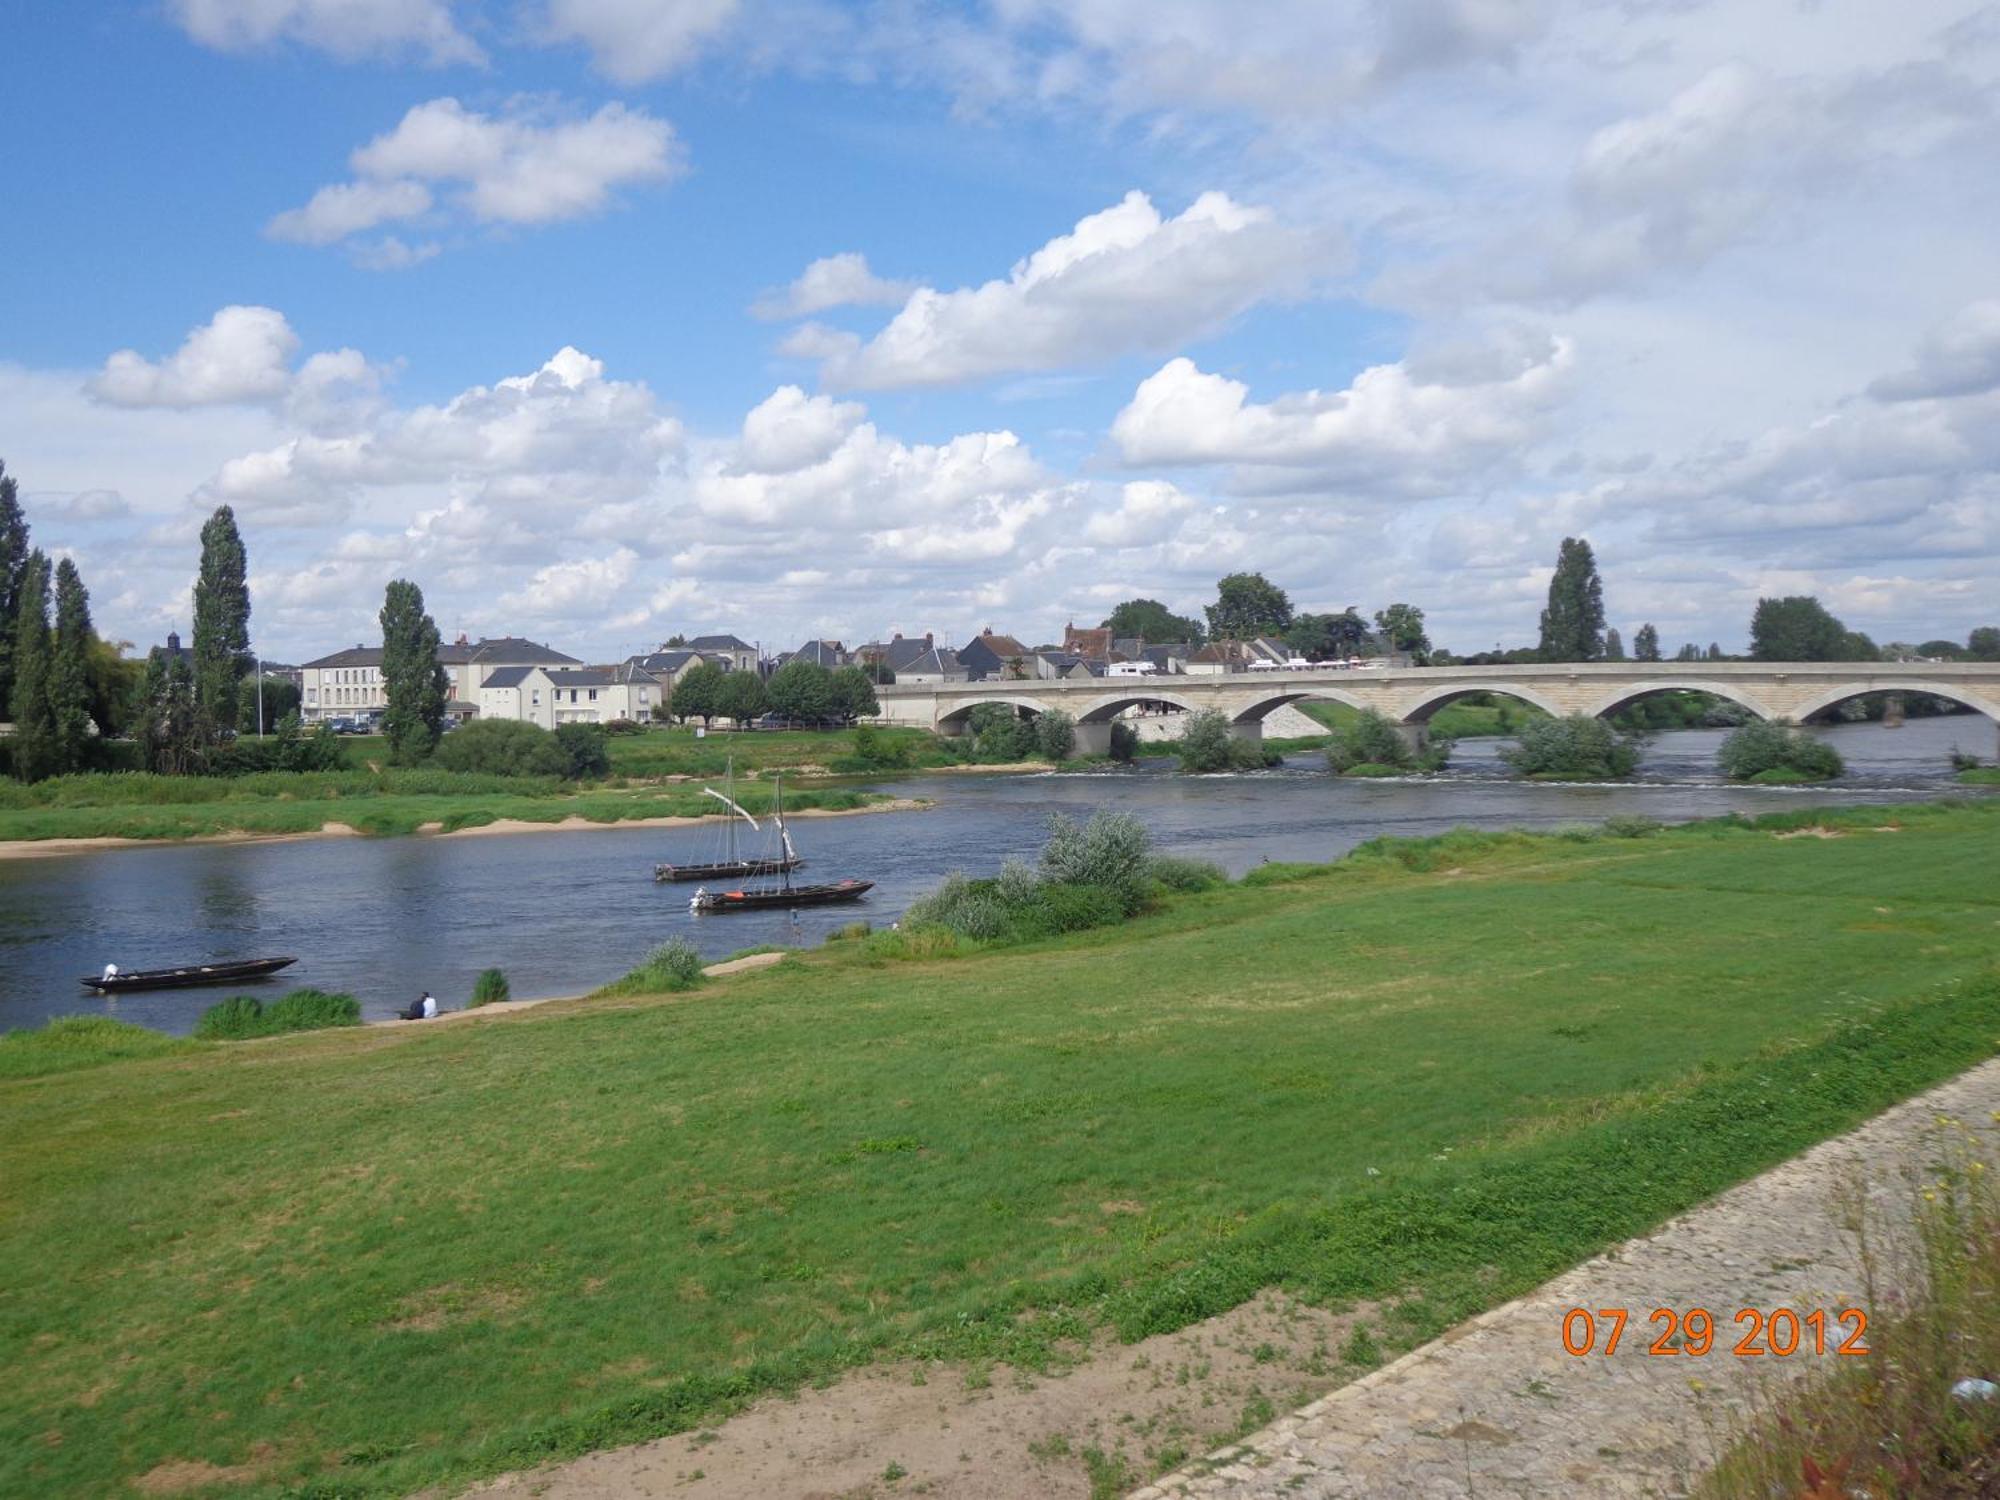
1417,1082
282,817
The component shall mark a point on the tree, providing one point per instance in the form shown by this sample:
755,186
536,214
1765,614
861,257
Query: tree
1246,605
1942,649
221,627
1573,623
13,574
1055,735
1646,644
1402,627
116,699
854,694
503,747
414,685
1578,747
34,726
802,689
1798,628
674,642
1715,652
1688,652
1614,646
167,727
586,750
1984,643
1207,743
698,695
69,671
741,697
269,702
1151,621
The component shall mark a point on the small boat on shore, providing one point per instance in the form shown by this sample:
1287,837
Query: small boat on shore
784,894
187,978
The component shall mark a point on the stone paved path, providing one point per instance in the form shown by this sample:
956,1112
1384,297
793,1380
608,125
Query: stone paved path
1497,1408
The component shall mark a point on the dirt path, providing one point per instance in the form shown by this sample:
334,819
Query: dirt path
1495,1408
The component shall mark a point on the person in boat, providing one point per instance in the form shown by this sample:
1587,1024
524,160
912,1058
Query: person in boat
111,971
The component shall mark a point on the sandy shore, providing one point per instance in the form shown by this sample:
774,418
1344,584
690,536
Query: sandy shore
44,848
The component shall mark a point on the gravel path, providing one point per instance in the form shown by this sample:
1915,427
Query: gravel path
1497,1408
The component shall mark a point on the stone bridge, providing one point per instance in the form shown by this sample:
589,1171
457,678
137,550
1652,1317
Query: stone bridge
1410,695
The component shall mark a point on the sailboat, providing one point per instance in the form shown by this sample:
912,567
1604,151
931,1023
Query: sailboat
783,894
733,866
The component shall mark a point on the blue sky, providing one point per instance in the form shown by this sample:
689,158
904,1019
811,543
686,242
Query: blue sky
1408,293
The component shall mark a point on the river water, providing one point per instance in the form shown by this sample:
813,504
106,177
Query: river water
563,912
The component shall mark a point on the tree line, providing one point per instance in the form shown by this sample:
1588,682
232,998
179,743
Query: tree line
799,690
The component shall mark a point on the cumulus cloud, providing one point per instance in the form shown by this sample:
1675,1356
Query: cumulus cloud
636,41
1388,430
241,354
832,281
1148,511
1960,357
348,29
531,163
1125,279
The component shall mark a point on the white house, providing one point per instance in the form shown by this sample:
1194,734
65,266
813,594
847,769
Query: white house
550,696
349,683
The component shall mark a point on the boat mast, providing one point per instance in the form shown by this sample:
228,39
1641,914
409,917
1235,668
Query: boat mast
784,838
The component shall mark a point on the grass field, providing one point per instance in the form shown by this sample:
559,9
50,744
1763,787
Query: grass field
357,1263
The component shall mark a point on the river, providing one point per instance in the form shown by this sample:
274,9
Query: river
564,912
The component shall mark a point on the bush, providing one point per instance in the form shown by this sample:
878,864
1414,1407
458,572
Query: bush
1764,746
1176,873
1206,744
967,907
1576,748
289,749
1109,851
503,747
1631,826
874,750
586,750
1055,735
1371,744
674,965
244,1016
1091,875
625,726
490,988
1000,735
1960,761
1124,742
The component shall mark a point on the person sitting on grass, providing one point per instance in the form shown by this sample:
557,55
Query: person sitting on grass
423,1008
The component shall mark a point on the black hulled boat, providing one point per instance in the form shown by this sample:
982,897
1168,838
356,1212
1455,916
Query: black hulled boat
187,978
784,894
732,866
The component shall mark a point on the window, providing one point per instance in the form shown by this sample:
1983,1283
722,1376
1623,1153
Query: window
593,695
537,698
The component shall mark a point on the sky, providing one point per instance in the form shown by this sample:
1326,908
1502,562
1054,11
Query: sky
606,320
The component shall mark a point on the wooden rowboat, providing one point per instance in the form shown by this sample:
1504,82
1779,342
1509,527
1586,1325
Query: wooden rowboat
175,979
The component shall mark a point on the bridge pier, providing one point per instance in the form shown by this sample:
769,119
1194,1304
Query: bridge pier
1892,711
1093,739
1416,737
1250,731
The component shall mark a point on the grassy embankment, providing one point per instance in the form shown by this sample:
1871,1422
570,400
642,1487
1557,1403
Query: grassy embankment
1434,1073
390,802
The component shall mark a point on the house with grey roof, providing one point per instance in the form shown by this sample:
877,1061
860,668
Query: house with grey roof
990,657
553,696
726,651
348,683
939,664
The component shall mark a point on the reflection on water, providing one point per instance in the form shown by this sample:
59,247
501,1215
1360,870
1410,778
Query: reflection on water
562,912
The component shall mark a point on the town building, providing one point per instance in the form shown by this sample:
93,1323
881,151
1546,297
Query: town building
939,664
553,696
726,651
989,657
897,653
349,684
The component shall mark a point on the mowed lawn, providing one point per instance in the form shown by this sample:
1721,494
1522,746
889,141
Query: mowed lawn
357,1263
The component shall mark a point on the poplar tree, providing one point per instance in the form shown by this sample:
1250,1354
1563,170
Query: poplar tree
69,688
413,680
1573,624
1614,646
221,627
1646,644
167,715
34,730
13,571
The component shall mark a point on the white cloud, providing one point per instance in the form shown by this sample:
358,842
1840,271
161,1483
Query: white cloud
587,588
1388,431
348,29
529,164
832,281
1960,357
1122,280
241,354
636,41
1149,510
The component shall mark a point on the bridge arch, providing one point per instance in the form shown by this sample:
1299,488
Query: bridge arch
957,721
1262,708
1104,710
1420,709
1625,697
1834,697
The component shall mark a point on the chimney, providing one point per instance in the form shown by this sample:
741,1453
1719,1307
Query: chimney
173,643
927,639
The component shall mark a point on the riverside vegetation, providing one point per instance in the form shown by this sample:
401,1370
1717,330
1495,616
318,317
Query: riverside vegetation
1427,1077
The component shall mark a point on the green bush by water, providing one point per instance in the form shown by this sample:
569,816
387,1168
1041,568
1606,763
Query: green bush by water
1576,748
1371,744
490,988
1206,745
673,966
1776,754
244,1016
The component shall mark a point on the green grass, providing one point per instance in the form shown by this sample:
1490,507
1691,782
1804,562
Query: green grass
676,751
392,803
74,1042
1437,1072
1981,776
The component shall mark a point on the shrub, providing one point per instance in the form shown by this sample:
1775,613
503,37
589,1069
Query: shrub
1000,735
1960,761
1109,851
1371,744
1177,873
967,907
490,988
1631,826
1055,735
502,747
873,749
241,1017
586,750
624,726
1068,908
674,965
1577,747
1763,746
1206,744
1124,742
